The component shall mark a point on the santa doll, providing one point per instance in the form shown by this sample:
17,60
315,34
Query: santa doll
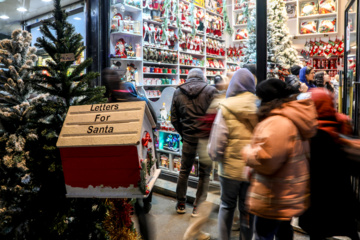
147,7
200,15
120,48
152,33
172,39
146,34
158,33
182,43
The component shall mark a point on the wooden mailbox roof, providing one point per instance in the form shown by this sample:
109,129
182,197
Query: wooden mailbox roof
108,124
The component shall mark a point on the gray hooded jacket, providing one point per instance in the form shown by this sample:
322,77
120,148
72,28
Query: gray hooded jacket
189,105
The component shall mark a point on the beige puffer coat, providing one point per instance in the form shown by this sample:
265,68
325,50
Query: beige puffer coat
240,116
279,156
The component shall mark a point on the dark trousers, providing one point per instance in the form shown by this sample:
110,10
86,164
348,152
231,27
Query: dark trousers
266,229
187,160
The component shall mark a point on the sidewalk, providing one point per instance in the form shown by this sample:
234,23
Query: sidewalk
168,225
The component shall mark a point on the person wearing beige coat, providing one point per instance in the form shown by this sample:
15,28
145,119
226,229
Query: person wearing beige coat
232,130
278,155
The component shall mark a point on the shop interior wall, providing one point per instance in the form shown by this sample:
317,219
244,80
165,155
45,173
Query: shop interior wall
298,42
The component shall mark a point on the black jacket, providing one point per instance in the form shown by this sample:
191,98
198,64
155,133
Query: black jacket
189,105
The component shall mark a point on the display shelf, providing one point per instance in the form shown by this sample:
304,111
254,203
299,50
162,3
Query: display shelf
238,10
215,38
169,74
241,40
233,63
171,50
215,56
316,34
159,63
240,25
195,54
187,2
158,23
126,34
191,66
167,131
289,2
157,97
166,151
317,16
128,8
212,13
189,31
210,68
126,59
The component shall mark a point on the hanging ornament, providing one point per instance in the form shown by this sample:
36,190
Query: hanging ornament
227,28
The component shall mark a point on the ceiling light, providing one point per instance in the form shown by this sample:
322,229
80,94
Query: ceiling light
46,0
353,47
77,18
21,9
4,17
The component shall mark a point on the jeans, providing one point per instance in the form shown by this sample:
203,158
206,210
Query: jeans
231,191
266,229
187,160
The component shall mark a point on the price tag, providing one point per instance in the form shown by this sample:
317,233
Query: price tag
67,57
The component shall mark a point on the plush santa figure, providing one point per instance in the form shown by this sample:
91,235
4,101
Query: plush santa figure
146,34
152,33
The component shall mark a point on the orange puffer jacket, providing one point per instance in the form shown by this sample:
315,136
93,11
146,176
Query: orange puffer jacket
279,156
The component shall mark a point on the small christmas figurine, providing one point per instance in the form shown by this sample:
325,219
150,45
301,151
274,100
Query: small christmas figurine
146,34
120,48
129,51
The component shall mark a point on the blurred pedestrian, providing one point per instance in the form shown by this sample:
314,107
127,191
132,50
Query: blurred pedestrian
307,76
278,155
190,103
322,79
232,130
204,209
332,204
294,81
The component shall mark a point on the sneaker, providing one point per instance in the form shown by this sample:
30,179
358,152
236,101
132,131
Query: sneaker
195,212
180,208
203,236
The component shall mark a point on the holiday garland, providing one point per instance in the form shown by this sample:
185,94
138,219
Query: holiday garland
118,223
150,161
142,181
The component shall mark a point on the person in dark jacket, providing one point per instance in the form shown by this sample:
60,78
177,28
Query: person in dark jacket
189,105
332,203
307,76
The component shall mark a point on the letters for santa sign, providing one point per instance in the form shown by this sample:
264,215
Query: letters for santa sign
107,150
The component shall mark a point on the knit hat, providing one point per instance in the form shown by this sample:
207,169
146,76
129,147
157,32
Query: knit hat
196,73
273,88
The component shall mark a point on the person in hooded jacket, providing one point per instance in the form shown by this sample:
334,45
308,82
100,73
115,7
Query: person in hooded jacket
332,205
278,155
307,75
232,130
190,103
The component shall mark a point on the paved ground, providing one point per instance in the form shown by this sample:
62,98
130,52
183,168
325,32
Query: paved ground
168,225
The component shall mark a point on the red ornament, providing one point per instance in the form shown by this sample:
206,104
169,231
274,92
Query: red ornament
146,140
147,192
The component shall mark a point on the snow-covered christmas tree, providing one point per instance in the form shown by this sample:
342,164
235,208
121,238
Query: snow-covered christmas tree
250,47
281,54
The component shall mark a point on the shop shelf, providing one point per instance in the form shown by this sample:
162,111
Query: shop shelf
157,63
288,2
318,16
126,34
169,74
189,31
238,10
316,34
157,97
188,2
212,13
240,25
126,59
166,151
232,63
241,40
194,54
128,8
215,38
162,49
167,131
190,66
158,23
215,56
210,68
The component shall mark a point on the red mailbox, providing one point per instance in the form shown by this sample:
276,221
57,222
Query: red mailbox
107,151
